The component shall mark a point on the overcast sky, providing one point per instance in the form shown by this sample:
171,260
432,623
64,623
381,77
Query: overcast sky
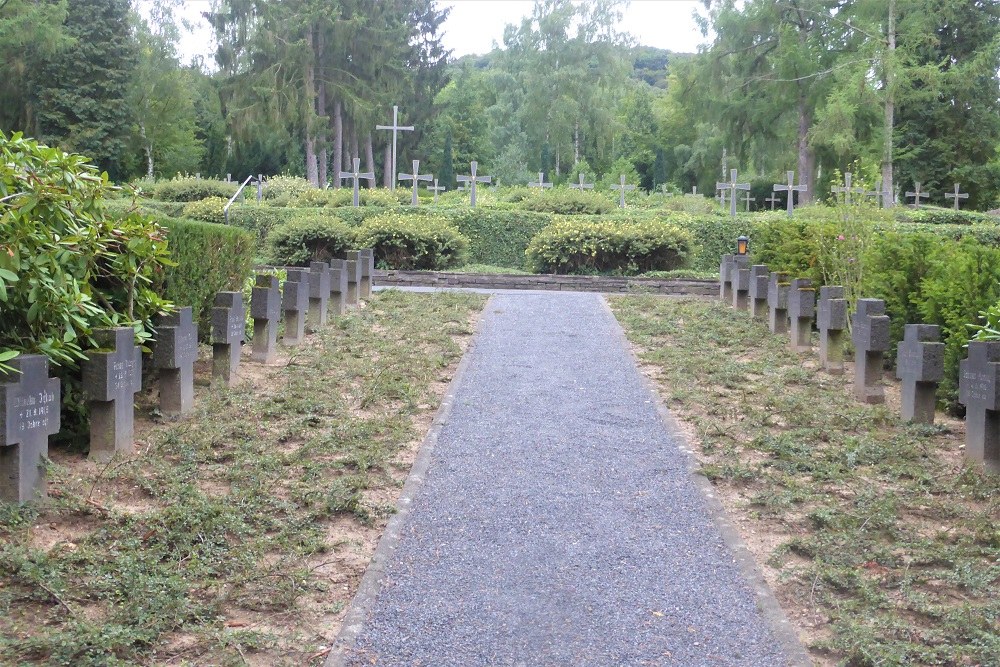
474,25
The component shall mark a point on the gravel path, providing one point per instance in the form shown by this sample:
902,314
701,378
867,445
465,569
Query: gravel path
558,523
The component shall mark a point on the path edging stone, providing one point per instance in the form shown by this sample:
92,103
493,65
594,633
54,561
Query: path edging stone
547,282
371,582
784,631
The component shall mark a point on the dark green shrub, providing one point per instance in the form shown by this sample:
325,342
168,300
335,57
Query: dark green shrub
254,217
412,242
943,216
566,202
308,239
344,197
188,188
606,246
497,238
210,209
209,258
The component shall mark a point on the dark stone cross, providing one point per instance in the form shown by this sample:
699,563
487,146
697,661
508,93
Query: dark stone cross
295,303
112,375
979,380
356,176
870,334
581,185
622,188
790,189
917,195
541,184
801,310
831,320
29,406
739,277
957,195
722,190
229,319
725,279
846,189
920,366
733,187
777,302
759,279
416,177
265,311
436,189
747,199
876,193
338,286
472,180
319,293
396,128
772,200
174,354
366,261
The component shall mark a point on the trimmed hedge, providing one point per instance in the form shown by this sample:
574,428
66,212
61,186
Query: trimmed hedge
608,246
944,216
187,189
566,202
209,258
308,239
421,243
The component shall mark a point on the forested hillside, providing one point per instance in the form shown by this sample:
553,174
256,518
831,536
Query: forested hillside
902,91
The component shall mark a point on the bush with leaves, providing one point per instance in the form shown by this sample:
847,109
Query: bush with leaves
425,242
565,201
67,266
210,209
609,246
286,187
313,238
379,197
189,188
932,215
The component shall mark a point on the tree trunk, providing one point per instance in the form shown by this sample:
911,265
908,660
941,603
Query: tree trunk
888,63
310,84
338,143
355,153
807,156
324,122
387,178
557,164
576,143
149,150
370,161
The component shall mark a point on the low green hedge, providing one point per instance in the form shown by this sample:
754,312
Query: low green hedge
413,243
187,189
209,258
933,215
608,246
308,239
564,201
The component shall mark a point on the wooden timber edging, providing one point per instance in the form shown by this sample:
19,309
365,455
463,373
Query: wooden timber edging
614,284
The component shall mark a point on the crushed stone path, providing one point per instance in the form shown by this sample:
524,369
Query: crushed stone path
558,522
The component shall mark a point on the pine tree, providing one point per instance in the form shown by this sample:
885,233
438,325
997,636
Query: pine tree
447,177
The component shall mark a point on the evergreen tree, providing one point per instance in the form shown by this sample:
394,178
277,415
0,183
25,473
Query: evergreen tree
447,172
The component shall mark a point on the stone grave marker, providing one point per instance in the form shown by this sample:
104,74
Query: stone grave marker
416,177
581,185
319,293
772,200
338,286
356,176
366,263
747,200
831,320
353,280
228,331
920,366
622,189
725,279
789,189
472,180
759,280
29,406
174,354
541,184
801,310
739,277
396,128
733,187
777,302
265,311
979,381
846,189
295,303
436,189
112,375
917,195
694,190
957,195
870,334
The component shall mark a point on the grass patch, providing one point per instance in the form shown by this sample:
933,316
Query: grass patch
888,545
488,269
239,534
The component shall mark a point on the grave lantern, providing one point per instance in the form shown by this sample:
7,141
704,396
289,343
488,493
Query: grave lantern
742,245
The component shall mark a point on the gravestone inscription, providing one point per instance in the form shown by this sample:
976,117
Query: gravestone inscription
112,375
174,354
228,331
979,392
831,320
870,334
920,366
29,408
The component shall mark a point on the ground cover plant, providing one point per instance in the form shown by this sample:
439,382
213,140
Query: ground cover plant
881,543
237,536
